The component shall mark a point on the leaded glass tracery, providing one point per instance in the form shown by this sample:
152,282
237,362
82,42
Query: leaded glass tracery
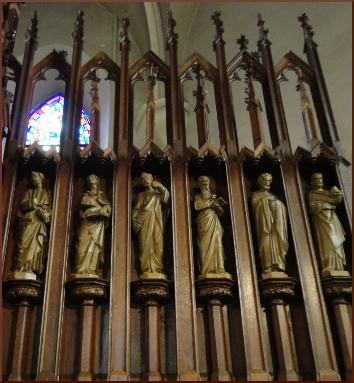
45,122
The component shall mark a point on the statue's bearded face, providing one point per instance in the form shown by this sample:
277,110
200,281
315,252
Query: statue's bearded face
317,180
203,181
264,182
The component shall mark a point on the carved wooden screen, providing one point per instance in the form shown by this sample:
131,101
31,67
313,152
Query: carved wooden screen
236,324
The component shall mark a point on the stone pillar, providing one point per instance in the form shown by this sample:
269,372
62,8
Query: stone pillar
277,292
24,294
338,290
88,293
152,293
215,292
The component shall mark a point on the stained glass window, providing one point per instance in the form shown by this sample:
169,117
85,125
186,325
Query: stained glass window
45,121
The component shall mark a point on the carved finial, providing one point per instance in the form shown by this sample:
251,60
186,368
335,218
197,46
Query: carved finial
242,41
257,55
126,24
78,32
262,32
218,23
32,33
63,54
171,35
308,32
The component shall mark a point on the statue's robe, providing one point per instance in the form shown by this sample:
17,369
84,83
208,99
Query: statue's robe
32,235
272,231
147,213
328,231
209,241
90,241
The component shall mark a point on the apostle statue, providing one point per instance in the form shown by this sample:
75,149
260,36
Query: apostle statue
327,230
94,211
33,216
210,232
270,217
148,222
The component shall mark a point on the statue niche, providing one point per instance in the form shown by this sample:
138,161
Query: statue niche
211,251
94,211
33,216
327,230
149,222
270,216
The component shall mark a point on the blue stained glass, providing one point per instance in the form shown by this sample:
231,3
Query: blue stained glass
45,122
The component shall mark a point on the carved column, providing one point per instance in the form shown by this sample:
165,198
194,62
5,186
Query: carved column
307,113
48,358
11,16
18,133
225,91
325,116
119,346
95,109
277,292
152,293
88,293
245,266
24,294
183,258
254,108
338,290
276,103
150,108
215,292
201,109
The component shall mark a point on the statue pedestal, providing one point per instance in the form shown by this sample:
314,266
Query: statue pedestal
152,293
21,275
215,292
88,293
24,294
277,292
338,290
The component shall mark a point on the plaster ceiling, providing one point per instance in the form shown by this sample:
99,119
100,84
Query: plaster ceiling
332,23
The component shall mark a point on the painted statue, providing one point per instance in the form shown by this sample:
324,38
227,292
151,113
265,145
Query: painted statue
327,230
270,217
148,222
94,210
33,216
211,251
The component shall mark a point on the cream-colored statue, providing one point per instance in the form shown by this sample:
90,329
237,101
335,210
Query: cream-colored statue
270,217
34,214
327,230
94,210
149,223
211,251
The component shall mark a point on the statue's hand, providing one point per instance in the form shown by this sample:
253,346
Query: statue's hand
156,184
136,226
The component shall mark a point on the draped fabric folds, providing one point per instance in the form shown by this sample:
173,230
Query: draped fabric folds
271,222
210,232
95,210
328,231
147,213
32,230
